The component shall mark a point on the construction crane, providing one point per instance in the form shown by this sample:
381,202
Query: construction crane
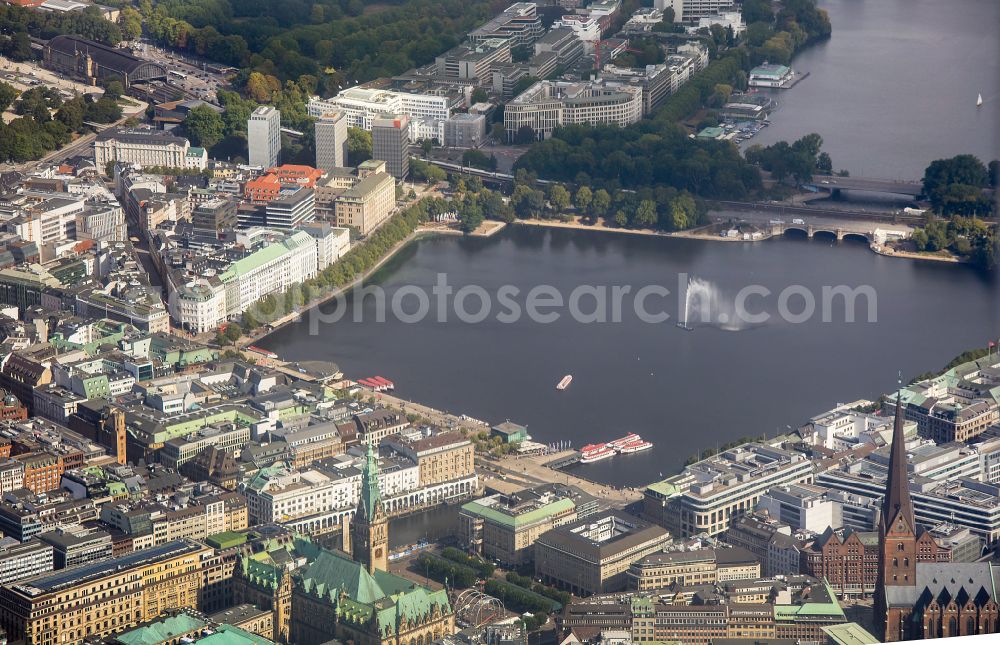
597,51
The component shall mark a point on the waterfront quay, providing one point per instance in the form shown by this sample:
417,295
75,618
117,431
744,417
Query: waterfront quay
511,473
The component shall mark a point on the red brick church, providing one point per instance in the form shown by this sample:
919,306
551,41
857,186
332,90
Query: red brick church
916,597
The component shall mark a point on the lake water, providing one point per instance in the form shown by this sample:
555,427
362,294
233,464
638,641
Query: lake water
683,390
895,86
893,89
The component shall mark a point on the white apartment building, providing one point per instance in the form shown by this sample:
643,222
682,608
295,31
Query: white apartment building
549,104
362,106
11,476
587,29
264,136
196,158
693,10
50,220
316,499
203,303
803,506
844,428
103,221
332,242
728,19
279,494
143,146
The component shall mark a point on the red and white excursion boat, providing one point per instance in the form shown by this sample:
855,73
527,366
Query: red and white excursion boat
595,452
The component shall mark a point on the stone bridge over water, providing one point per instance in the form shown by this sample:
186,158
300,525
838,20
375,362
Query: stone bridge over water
846,231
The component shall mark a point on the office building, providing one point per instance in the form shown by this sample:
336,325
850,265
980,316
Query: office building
958,405
332,242
362,105
593,555
519,23
19,560
391,143
709,494
704,566
274,262
794,609
293,206
656,81
474,61
506,527
465,131
366,204
264,137
214,216
547,105
690,11
331,141
75,545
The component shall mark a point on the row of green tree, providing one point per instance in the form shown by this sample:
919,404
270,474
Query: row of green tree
361,258
519,599
484,568
46,122
446,571
964,357
561,597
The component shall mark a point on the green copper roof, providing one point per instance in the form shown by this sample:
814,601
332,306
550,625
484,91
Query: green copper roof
491,514
831,608
330,572
226,539
664,488
371,498
360,596
849,634
162,631
229,635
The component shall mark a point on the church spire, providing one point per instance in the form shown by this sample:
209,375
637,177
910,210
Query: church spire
371,496
896,504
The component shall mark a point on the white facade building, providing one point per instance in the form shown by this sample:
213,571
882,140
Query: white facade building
692,10
587,29
549,104
362,106
728,19
264,137
143,146
203,303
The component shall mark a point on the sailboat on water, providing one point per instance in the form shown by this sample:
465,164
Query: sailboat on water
979,100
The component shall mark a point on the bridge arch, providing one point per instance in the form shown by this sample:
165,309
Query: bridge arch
856,237
825,233
796,231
